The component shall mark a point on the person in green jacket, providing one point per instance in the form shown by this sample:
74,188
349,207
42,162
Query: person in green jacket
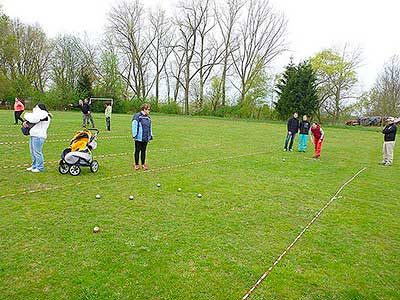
107,114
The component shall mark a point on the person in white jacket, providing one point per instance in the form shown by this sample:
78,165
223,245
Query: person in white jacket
38,134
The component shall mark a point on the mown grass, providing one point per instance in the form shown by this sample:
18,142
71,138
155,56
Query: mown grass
172,245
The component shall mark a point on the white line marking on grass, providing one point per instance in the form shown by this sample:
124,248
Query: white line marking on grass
68,140
262,278
131,174
103,156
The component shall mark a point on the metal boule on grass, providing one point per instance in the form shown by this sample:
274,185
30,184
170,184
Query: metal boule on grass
96,229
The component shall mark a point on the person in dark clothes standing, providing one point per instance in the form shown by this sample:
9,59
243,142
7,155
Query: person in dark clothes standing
303,135
87,114
389,132
142,134
293,128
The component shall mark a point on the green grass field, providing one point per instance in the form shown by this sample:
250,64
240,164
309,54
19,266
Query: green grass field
172,245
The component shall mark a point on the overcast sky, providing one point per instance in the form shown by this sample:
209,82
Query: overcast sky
313,25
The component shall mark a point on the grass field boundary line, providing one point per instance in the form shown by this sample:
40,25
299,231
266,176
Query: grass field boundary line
27,192
67,140
51,162
335,196
48,135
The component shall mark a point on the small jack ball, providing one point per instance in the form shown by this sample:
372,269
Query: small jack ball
96,229
179,190
98,196
199,195
158,185
130,197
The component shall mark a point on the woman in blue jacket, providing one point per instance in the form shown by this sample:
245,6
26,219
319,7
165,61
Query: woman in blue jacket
142,134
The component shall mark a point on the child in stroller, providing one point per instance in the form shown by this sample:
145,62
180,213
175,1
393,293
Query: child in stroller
79,153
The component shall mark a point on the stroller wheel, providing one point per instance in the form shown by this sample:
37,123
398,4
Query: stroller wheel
74,170
63,168
94,166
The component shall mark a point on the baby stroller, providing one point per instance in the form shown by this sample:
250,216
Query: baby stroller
79,153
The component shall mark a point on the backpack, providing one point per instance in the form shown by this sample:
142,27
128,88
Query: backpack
26,130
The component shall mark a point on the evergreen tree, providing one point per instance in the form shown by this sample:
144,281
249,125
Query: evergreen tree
297,91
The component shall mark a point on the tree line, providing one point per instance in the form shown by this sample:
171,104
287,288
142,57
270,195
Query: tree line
203,58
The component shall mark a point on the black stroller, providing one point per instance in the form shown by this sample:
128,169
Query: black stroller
79,153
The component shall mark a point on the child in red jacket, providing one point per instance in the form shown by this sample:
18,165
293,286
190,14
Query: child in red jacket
318,135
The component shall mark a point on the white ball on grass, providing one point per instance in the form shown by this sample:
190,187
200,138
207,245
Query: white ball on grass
131,197
158,184
179,190
98,196
199,195
96,229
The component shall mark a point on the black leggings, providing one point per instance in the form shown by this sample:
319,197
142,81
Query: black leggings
17,116
140,147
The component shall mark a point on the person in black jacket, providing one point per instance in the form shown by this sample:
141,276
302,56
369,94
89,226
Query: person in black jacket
87,114
293,128
389,132
304,129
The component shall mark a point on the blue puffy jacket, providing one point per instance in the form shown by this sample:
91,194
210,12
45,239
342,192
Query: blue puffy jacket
141,128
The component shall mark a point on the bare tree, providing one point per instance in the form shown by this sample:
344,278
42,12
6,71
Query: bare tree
176,69
190,18
227,17
161,46
262,38
208,53
126,26
386,92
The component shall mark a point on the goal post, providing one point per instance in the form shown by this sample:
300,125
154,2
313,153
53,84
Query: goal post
110,100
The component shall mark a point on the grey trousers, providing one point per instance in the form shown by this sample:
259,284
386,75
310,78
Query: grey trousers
86,119
387,151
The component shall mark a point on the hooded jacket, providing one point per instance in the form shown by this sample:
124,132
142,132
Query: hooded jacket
141,128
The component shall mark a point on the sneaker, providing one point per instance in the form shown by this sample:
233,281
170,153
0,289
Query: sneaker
315,157
387,164
144,167
382,163
291,150
284,149
137,167
29,169
35,171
